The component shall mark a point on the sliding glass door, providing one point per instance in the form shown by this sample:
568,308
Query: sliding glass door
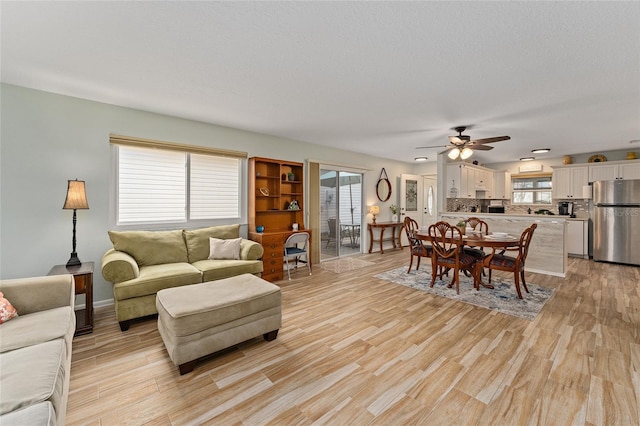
340,212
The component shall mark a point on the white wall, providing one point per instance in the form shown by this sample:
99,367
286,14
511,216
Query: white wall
47,139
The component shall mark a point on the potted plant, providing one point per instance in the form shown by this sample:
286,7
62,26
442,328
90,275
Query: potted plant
462,225
394,212
291,176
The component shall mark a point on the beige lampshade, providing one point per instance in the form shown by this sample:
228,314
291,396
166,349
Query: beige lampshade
76,196
374,209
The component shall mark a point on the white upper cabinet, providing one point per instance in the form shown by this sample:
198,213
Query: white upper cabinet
568,181
501,185
620,170
463,180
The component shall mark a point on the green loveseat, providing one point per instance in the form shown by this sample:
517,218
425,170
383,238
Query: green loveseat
141,263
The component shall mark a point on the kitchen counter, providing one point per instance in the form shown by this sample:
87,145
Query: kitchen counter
547,252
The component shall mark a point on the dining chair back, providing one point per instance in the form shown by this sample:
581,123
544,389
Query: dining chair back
481,226
446,241
515,264
416,247
296,247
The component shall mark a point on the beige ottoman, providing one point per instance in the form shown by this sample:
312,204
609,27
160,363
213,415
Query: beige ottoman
200,319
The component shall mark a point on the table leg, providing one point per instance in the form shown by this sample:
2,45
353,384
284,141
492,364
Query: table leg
393,236
381,239
370,239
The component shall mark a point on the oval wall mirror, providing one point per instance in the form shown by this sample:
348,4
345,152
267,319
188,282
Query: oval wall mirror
383,187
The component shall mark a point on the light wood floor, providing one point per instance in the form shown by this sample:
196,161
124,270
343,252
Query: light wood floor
356,350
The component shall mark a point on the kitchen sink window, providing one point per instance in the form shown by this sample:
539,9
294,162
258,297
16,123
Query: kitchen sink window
531,190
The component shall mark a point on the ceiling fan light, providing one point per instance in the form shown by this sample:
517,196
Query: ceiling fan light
466,153
453,154
540,150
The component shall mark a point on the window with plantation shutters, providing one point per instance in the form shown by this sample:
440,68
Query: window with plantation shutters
159,183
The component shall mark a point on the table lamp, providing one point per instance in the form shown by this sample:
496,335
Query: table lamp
374,210
76,199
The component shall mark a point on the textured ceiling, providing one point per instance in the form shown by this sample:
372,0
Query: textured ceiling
376,77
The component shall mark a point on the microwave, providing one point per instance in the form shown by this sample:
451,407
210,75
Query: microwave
495,209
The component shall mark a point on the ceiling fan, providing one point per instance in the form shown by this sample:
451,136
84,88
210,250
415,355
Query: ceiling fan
462,146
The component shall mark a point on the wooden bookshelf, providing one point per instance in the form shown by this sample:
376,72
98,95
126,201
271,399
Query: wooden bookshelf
273,186
271,192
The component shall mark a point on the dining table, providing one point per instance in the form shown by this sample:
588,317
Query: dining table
479,239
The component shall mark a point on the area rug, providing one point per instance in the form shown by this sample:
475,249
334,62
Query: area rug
503,298
344,264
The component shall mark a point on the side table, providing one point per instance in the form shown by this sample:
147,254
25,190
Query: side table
83,278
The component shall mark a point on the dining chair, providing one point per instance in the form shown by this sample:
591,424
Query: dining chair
416,247
515,263
446,241
296,247
481,226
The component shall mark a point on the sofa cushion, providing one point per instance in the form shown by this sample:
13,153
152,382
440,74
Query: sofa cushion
151,247
7,311
217,269
38,327
156,277
32,375
197,240
224,249
41,414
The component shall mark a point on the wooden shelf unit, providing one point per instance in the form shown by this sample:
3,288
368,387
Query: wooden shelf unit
272,210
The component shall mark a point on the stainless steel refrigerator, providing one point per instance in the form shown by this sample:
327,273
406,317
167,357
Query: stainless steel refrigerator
616,221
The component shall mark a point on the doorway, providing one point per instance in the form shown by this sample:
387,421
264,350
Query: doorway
418,200
340,213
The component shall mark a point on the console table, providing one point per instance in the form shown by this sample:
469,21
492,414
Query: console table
382,226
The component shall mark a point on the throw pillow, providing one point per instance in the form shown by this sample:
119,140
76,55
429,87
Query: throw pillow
224,249
7,311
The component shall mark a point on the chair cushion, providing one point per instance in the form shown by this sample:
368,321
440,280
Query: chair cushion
39,414
503,261
465,260
477,253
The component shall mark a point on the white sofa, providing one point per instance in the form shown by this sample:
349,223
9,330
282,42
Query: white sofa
35,350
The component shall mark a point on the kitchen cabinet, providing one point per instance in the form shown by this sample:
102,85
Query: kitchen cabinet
568,181
501,186
458,182
576,238
464,180
629,169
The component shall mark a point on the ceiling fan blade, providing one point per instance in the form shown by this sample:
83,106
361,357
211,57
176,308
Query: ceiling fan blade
481,147
489,140
456,140
436,146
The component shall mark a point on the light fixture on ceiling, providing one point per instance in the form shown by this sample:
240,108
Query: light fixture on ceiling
421,158
463,153
540,150
527,158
